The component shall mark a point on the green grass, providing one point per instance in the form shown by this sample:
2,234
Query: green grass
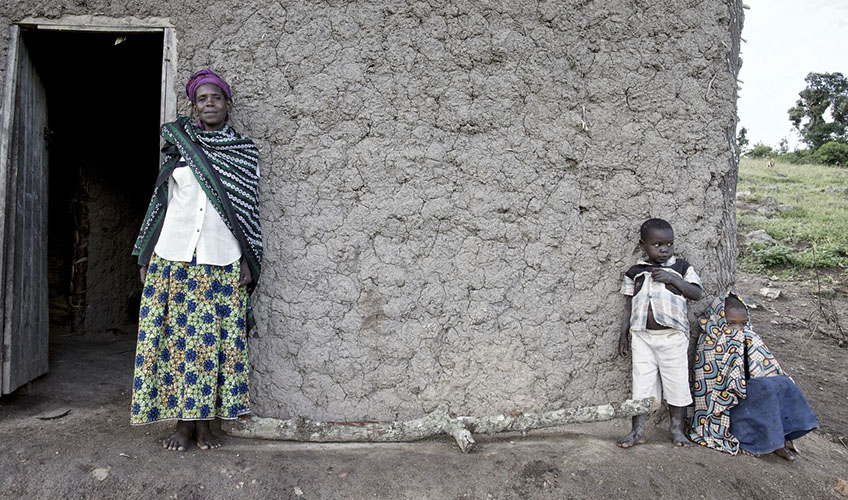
811,234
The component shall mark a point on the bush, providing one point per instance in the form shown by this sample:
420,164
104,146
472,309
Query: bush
833,153
760,150
827,255
769,256
799,157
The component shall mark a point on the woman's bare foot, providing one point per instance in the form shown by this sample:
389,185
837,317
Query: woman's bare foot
178,441
637,434
203,434
785,454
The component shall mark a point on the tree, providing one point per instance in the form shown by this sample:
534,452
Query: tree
742,139
833,153
824,91
760,150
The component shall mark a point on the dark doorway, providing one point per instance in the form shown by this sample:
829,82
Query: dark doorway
103,108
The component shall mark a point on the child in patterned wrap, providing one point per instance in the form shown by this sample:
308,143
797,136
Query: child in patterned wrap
743,398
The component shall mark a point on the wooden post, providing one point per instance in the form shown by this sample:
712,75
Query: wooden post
79,266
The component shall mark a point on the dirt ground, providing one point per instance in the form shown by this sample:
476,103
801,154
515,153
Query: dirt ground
92,452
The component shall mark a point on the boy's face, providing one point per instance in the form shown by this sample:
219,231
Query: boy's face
736,318
658,245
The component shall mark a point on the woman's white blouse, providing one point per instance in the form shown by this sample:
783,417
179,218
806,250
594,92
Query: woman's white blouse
192,224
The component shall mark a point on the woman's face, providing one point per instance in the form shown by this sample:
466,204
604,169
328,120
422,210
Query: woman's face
736,318
212,106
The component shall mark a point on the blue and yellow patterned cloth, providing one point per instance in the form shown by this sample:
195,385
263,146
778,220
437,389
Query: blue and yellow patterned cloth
191,358
724,360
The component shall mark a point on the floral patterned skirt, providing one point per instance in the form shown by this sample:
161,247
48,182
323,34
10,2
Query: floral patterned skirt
191,359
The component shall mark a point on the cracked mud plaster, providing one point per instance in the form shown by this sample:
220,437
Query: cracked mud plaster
452,190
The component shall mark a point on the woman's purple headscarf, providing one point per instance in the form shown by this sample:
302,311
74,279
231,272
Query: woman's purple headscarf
203,77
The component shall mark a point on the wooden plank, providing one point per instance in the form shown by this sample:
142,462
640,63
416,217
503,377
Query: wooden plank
26,325
19,315
168,104
32,338
14,276
42,310
97,23
168,108
101,29
38,277
7,193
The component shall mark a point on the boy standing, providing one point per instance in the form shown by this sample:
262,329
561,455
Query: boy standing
655,315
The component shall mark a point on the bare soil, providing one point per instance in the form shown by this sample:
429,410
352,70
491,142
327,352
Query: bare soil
92,452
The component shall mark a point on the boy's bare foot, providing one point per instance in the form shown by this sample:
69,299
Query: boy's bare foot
178,441
632,439
678,422
203,434
785,454
679,438
637,434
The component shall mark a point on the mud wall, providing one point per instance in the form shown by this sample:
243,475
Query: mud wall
113,287
451,190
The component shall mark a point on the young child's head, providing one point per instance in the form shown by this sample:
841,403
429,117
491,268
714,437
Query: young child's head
656,238
735,313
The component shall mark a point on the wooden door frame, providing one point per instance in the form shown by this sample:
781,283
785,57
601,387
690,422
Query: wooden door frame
87,24
168,106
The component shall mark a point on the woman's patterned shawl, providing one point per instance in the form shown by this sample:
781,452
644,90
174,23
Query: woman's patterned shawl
227,167
720,373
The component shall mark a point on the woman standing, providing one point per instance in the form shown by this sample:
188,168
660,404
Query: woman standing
200,248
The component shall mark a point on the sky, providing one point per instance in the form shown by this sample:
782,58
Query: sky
786,40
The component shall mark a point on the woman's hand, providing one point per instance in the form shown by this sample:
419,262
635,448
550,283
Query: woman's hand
244,277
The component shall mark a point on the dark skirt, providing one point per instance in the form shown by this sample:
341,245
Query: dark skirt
773,412
191,358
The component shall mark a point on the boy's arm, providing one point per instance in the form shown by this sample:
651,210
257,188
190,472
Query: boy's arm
624,336
691,291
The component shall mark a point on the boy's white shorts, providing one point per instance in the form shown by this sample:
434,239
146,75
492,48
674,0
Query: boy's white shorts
661,365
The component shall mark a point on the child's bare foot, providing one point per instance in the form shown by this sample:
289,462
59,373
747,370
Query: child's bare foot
632,439
637,434
785,454
792,447
203,434
178,441
678,436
